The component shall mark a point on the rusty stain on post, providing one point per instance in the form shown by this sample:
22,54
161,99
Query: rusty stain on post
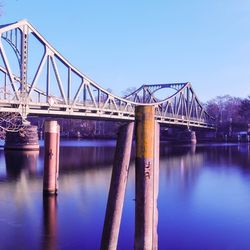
145,125
51,157
146,176
117,187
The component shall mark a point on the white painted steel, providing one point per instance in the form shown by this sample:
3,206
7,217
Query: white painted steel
88,98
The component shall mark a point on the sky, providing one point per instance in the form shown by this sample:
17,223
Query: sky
124,44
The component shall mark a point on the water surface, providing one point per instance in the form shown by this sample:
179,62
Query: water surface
204,198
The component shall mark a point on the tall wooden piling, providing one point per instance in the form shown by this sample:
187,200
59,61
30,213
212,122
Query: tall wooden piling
156,183
117,187
51,157
147,171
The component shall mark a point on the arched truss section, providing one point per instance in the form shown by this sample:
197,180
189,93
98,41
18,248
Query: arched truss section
50,85
145,94
184,105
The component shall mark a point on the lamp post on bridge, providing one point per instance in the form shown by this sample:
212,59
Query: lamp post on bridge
230,127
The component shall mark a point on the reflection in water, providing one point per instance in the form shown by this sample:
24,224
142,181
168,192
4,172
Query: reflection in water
71,159
50,222
193,148
88,157
182,163
228,155
204,198
16,161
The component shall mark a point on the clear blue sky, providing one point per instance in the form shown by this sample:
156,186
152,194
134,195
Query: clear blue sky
122,44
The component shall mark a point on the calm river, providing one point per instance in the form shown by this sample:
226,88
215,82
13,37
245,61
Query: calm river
204,198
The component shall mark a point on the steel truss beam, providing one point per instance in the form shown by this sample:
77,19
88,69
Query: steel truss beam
57,88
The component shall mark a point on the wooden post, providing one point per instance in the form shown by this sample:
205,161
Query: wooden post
156,183
117,187
51,157
57,155
147,163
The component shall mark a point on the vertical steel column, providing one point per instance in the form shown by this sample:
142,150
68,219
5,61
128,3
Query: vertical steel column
51,157
117,187
147,153
48,80
23,70
84,94
69,86
5,87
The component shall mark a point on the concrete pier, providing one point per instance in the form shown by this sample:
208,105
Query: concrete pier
193,137
147,164
186,136
24,139
117,187
51,157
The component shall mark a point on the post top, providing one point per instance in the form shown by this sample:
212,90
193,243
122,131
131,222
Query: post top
50,127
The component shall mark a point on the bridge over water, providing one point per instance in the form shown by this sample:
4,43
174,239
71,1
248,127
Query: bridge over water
35,79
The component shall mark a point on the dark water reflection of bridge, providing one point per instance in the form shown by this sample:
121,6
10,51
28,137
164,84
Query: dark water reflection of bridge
84,158
84,167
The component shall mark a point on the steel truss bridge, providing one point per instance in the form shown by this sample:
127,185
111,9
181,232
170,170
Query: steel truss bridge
35,79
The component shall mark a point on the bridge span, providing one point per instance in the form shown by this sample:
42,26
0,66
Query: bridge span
35,79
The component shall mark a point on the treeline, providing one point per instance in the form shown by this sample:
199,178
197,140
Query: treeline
230,113
79,128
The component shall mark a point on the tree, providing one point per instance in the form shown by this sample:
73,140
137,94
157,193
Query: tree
128,91
10,122
224,109
244,110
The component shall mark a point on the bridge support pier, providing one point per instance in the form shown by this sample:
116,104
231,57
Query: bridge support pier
117,187
51,157
147,178
193,137
24,139
186,136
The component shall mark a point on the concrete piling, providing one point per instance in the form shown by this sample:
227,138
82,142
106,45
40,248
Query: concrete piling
51,157
147,171
117,187
193,137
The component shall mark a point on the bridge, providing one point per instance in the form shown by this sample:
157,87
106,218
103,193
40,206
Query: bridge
37,80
